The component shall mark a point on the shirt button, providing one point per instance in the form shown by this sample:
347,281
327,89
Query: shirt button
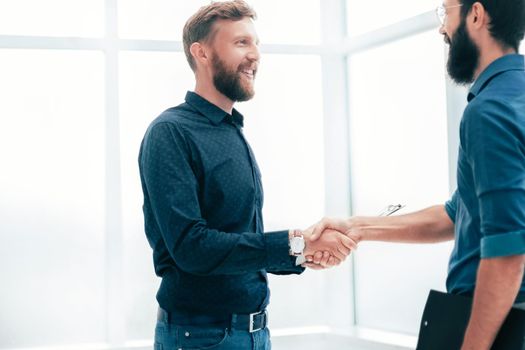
187,334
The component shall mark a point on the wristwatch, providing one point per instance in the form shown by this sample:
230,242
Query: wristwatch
297,243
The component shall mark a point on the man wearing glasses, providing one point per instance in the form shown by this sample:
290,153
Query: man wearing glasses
486,214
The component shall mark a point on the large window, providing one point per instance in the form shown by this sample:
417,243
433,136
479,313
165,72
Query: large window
52,197
366,16
288,22
159,20
398,138
72,18
353,111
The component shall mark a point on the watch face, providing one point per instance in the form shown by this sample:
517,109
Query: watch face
297,245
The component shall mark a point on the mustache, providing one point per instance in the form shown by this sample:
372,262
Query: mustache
446,39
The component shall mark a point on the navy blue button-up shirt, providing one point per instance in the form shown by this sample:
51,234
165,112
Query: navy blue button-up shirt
488,208
203,201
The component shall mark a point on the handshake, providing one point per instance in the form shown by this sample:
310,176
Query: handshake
329,242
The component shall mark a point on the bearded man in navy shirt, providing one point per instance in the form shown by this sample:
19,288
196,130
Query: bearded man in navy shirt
203,199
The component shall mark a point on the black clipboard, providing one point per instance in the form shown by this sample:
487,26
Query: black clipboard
445,320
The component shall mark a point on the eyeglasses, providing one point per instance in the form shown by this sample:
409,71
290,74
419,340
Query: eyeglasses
441,12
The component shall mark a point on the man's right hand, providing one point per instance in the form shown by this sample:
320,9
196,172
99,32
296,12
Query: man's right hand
328,250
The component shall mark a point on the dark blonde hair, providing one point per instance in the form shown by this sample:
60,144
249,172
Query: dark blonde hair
199,27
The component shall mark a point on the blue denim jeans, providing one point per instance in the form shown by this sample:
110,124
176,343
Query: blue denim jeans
208,337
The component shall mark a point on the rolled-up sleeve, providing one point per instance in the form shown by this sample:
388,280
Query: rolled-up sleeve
502,223
451,206
496,153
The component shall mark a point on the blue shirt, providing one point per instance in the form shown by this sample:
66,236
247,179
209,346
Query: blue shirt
488,207
203,200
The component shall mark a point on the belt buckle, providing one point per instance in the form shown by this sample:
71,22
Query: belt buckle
252,329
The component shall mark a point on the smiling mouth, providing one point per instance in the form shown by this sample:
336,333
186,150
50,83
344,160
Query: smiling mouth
250,73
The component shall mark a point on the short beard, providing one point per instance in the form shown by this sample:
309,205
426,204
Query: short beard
228,82
463,56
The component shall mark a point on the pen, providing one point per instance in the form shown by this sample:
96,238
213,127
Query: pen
391,209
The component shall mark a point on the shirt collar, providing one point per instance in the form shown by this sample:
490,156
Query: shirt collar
212,112
502,64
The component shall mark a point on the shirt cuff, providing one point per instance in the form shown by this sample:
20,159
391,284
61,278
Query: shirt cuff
451,211
506,244
278,250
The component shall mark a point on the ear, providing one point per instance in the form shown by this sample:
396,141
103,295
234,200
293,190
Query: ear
198,51
478,16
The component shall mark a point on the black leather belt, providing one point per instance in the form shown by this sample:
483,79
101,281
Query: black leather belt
246,322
